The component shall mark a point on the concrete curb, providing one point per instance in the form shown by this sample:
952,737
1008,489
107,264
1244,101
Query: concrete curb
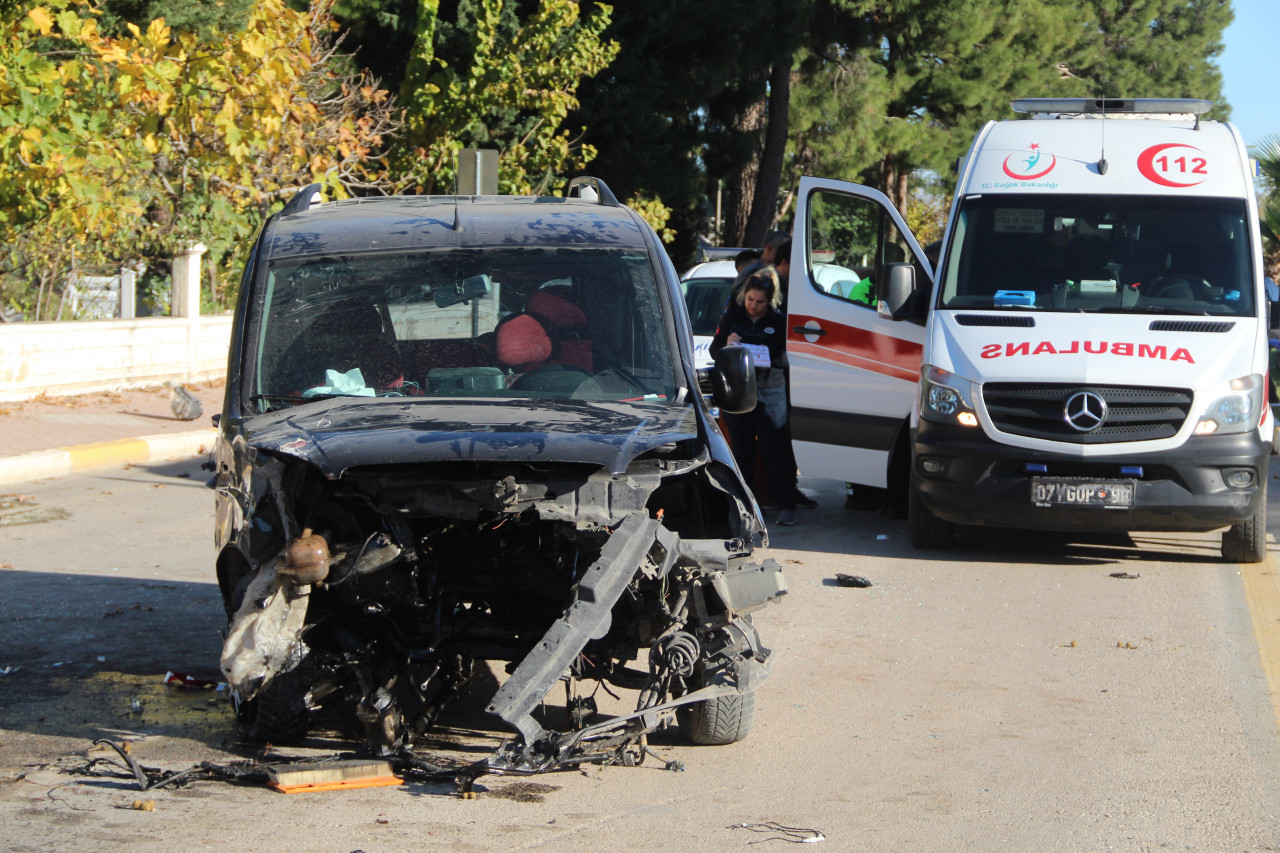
82,457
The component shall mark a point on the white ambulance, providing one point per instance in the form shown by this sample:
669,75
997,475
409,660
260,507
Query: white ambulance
1091,353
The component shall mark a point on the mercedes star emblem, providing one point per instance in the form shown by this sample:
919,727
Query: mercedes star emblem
1085,411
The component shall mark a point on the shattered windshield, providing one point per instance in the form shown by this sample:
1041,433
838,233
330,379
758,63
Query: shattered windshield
1140,254
555,323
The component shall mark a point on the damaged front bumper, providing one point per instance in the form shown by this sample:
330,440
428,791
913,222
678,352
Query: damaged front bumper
699,595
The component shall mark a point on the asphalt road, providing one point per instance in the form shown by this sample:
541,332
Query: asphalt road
1010,695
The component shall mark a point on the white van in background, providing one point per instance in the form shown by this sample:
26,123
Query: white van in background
1092,353
706,288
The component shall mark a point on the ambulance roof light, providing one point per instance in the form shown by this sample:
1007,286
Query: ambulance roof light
1103,106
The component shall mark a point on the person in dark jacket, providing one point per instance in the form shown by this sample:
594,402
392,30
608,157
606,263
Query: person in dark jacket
755,322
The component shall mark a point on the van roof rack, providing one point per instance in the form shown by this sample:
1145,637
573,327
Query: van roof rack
302,200
1104,106
589,188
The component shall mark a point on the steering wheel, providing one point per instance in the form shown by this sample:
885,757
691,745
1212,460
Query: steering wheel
1180,286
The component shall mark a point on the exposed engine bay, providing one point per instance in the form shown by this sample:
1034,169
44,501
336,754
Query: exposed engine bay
377,592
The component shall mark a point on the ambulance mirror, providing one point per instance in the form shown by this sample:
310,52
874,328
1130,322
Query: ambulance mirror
895,290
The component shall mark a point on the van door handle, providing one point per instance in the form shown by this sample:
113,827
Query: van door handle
808,330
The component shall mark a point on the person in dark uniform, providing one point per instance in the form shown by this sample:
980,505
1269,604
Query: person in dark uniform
755,322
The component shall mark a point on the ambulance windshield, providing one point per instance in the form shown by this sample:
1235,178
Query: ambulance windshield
1140,254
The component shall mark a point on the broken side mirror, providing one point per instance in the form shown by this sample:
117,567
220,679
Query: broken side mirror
469,288
895,291
733,380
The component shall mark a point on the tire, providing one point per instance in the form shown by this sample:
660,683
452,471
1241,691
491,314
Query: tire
279,713
928,532
1246,542
718,721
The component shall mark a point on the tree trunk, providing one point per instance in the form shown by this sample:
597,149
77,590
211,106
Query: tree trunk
893,181
742,183
764,206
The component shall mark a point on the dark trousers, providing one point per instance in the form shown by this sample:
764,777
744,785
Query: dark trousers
766,423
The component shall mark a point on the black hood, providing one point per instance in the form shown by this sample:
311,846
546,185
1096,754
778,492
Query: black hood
345,432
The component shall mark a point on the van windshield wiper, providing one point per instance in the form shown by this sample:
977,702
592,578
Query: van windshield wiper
291,398
1145,309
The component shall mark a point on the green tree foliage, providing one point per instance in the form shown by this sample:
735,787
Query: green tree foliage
207,19
663,116
129,147
514,94
1151,49
1267,153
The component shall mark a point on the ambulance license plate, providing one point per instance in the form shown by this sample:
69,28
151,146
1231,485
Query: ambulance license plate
1111,495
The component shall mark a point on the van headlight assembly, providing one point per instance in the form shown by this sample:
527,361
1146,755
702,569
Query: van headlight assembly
944,398
1236,411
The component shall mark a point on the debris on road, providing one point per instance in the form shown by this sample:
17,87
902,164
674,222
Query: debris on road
331,776
778,832
857,581
183,404
182,680
1124,576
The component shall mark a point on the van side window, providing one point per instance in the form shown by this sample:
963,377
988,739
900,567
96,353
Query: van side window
850,239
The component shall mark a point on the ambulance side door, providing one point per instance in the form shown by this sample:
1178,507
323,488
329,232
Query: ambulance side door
853,372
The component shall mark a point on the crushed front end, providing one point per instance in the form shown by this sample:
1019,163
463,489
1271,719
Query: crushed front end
379,590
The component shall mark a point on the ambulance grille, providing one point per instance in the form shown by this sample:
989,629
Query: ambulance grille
1038,410
995,320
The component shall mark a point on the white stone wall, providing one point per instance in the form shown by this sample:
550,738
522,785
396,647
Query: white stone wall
109,355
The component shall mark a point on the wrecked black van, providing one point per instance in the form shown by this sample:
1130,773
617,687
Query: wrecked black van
468,429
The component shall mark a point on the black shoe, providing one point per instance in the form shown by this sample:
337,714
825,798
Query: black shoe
804,501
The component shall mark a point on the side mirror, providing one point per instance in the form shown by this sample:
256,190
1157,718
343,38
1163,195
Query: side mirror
733,380
895,291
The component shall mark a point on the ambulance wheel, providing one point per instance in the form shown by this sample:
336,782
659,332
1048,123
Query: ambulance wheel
928,532
1246,542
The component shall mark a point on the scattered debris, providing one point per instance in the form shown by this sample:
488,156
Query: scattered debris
5,670
778,832
144,805
880,537
852,580
331,776
1125,645
182,680
290,774
6,565
1124,576
1070,645
183,403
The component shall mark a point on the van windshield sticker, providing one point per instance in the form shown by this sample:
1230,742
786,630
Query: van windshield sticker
1018,220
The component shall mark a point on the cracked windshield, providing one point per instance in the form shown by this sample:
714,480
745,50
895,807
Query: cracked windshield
581,324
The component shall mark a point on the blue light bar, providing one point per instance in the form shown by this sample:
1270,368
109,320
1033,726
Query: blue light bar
1035,468
1131,470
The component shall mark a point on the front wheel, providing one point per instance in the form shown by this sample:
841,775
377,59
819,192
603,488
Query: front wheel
928,532
1246,542
719,720
281,712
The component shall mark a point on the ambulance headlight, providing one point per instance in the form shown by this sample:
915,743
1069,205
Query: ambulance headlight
944,397
1236,411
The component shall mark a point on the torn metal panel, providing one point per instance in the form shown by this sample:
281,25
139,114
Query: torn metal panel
266,632
635,540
